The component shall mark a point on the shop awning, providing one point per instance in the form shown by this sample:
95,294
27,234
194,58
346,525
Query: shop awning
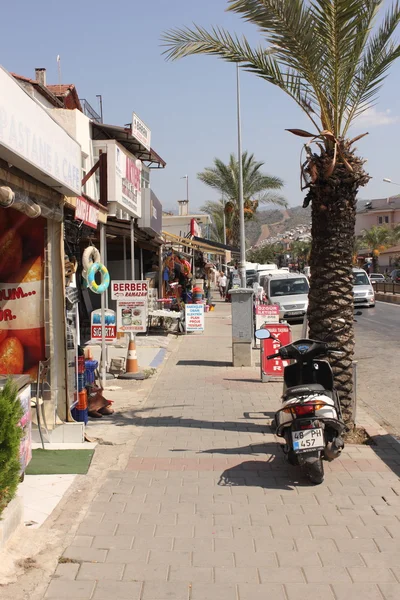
123,136
201,244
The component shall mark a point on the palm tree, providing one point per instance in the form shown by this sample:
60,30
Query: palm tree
215,210
330,57
225,178
376,239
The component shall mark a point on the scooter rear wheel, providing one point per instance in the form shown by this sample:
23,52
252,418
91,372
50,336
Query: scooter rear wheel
313,469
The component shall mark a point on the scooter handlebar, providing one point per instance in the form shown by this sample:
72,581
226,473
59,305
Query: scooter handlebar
273,356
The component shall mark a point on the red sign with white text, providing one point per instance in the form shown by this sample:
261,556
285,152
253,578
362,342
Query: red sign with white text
275,366
86,212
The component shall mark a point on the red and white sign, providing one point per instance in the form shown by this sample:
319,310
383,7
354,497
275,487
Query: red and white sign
273,368
140,131
266,314
86,212
194,228
110,325
128,290
132,315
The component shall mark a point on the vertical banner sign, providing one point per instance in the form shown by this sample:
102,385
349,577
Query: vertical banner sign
131,297
194,317
25,453
272,370
266,313
96,325
22,340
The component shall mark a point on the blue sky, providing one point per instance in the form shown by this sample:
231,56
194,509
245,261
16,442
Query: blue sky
113,49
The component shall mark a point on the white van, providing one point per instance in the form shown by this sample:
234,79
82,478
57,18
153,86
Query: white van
363,291
289,291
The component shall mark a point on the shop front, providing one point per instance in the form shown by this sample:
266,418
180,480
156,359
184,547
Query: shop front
39,164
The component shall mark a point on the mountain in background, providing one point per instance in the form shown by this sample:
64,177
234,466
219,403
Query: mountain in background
269,223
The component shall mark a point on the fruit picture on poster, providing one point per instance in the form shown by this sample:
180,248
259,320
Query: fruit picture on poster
22,340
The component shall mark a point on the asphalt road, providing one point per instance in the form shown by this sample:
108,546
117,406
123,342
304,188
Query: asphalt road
378,368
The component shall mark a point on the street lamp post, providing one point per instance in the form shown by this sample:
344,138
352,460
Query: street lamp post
242,263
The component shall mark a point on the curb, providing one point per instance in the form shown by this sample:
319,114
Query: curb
11,518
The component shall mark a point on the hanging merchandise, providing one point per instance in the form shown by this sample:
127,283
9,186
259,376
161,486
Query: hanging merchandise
105,278
90,256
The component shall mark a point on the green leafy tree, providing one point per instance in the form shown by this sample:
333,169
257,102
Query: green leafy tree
257,188
266,254
10,437
330,57
301,253
376,240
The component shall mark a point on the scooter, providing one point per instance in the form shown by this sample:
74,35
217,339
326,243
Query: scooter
310,419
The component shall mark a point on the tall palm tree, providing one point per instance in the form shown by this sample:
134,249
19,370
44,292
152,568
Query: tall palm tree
330,57
225,178
376,239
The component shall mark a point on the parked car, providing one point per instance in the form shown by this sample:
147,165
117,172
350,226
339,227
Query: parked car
395,276
289,291
363,291
377,278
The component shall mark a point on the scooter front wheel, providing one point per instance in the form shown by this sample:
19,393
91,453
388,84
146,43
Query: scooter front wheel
313,468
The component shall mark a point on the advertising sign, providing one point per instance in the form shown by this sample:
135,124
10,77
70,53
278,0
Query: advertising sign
141,132
151,219
22,339
128,290
31,140
272,370
132,316
96,325
266,313
128,171
194,317
86,212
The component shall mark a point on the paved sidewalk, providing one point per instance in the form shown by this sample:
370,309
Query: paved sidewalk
206,508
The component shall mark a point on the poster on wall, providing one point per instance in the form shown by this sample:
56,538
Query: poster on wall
22,339
194,317
96,325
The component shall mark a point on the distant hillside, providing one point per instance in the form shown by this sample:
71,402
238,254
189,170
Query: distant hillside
271,222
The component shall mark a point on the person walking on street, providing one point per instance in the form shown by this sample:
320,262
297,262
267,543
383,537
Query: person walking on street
222,285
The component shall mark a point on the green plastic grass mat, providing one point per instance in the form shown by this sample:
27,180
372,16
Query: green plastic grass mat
59,462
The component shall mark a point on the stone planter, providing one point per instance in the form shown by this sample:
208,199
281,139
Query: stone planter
11,518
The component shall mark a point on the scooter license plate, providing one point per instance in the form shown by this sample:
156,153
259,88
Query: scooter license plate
308,439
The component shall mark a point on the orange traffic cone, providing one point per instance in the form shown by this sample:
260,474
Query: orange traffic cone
132,367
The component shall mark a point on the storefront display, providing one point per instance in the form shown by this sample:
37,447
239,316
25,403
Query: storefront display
22,334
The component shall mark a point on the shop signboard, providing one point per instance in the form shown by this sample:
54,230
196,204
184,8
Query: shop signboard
140,131
129,290
96,325
31,140
86,212
272,370
266,313
22,333
132,315
151,220
194,317
131,297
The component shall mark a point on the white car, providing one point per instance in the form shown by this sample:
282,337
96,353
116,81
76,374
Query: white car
363,291
289,291
377,278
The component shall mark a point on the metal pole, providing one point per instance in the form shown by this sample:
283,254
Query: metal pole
103,366
160,271
224,217
242,265
133,248
125,265
187,191
141,264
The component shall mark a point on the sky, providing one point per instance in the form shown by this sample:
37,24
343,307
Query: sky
114,49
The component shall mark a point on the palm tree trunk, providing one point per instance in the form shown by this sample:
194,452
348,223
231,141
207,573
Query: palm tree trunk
331,285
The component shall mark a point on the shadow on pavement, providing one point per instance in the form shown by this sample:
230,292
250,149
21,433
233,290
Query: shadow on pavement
264,474
387,448
203,363
123,419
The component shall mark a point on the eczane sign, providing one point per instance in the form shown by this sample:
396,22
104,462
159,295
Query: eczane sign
33,142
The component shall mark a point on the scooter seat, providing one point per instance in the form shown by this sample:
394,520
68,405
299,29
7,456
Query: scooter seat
305,390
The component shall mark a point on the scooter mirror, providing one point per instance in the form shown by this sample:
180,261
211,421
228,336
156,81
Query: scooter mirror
263,334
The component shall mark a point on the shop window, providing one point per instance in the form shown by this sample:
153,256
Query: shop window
145,180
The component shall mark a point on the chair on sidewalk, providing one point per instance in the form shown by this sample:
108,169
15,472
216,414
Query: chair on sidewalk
37,401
